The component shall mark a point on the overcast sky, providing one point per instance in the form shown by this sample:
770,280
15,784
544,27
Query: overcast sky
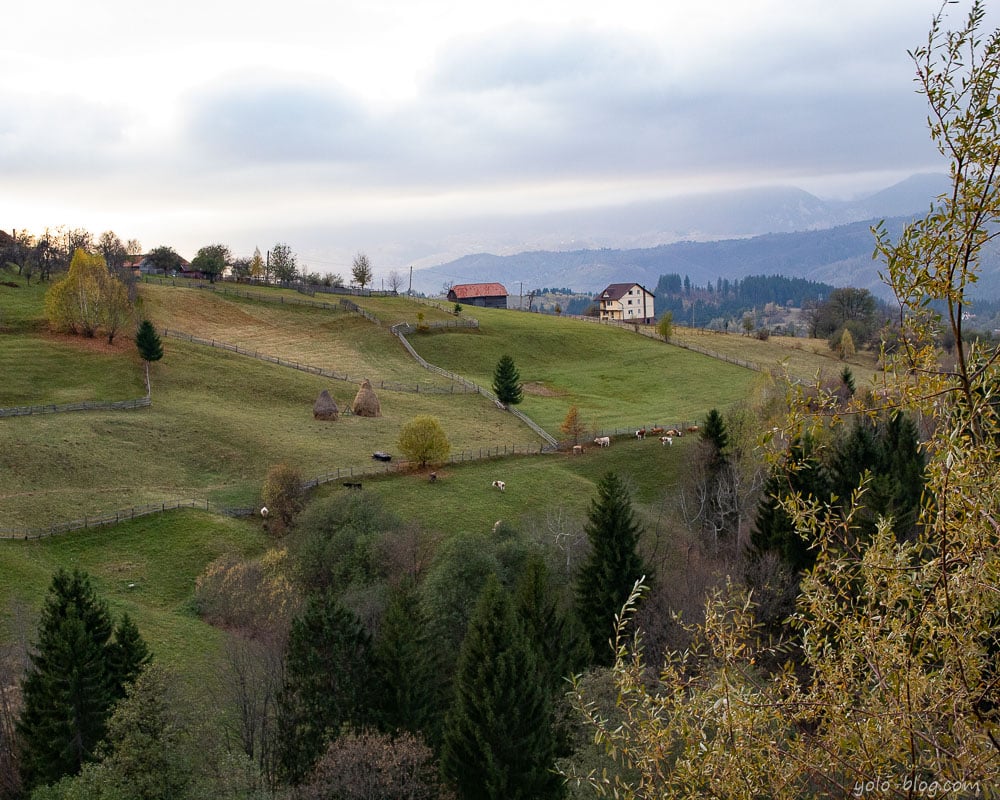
188,123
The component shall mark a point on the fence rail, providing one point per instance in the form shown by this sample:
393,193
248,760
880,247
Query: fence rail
90,405
103,518
313,370
400,329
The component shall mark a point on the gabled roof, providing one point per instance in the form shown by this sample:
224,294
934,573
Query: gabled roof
6,239
616,291
465,290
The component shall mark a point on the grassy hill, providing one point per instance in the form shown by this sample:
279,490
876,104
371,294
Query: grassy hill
219,420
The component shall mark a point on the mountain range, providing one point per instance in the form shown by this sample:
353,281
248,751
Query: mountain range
776,231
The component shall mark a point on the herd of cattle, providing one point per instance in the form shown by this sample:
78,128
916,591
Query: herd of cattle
667,436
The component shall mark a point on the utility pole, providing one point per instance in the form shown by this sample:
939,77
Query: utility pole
410,290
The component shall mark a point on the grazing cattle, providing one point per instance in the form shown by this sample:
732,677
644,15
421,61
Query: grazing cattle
640,434
673,432
668,440
263,512
433,477
692,428
603,441
657,431
577,449
500,485
352,485
380,456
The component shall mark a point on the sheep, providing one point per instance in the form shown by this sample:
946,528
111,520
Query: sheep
500,485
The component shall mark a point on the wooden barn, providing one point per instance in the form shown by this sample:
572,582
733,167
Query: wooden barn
484,295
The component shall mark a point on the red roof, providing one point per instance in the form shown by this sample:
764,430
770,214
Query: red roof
465,290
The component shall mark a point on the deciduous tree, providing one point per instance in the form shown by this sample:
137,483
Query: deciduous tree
212,260
361,270
423,441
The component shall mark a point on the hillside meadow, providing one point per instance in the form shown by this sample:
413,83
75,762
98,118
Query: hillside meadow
219,420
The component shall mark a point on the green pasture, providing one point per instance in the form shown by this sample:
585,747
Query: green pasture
21,305
616,378
217,423
145,567
336,340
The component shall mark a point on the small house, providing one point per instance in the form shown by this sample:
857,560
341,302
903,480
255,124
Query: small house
627,302
484,295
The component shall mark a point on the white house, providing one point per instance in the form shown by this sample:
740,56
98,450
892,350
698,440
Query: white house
627,302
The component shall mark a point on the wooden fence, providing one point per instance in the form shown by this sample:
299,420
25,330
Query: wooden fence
96,405
101,519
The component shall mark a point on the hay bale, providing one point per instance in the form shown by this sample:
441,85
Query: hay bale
325,407
366,402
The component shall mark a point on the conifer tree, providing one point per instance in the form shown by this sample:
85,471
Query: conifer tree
73,680
128,654
326,684
498,738
147,342
409,688
507,382
613,566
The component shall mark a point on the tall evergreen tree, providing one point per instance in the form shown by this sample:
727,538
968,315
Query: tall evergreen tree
409,685
326,683
72,681
498,739
507,382
147,342
773,530
613,566
128,655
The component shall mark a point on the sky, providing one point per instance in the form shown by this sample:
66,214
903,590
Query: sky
342,127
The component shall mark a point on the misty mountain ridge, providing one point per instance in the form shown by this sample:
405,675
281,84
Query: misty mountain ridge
775,231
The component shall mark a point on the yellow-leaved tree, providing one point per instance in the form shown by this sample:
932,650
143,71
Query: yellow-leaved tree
896,688
90,298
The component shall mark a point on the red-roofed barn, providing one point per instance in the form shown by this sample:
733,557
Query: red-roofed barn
485,295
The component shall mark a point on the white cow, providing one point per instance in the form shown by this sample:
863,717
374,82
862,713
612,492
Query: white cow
603,441
263,512
500,485
668,440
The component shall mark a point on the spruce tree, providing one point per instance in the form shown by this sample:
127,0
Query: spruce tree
507,382
147,342
326,683
72,681
498,739
613,566
409,685
128,655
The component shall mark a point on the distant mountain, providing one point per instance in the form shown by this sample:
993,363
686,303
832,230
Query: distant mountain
825,241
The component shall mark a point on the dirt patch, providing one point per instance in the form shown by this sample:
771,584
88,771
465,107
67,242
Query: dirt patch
539,390
97,344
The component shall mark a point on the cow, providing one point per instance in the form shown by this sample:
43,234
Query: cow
577,449
500,485
692,428
640,434
433,477
263,512
673,432
352,485
603,441
668,440
657,431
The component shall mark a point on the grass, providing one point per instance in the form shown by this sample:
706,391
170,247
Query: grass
218,421
615,378
146,568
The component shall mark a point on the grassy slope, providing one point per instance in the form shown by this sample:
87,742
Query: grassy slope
219,420
615,378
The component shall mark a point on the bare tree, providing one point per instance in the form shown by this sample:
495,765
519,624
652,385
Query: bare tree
395,280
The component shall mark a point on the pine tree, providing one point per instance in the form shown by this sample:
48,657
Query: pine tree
149,346
71,683
507,382
613,566
327,664
128,654
498,739
409,688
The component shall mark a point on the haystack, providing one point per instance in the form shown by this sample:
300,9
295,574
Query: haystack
325,407
366,402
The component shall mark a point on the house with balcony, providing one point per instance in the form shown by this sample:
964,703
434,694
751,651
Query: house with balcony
627,302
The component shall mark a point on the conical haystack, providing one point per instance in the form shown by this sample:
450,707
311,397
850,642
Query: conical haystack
366,403
325,407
